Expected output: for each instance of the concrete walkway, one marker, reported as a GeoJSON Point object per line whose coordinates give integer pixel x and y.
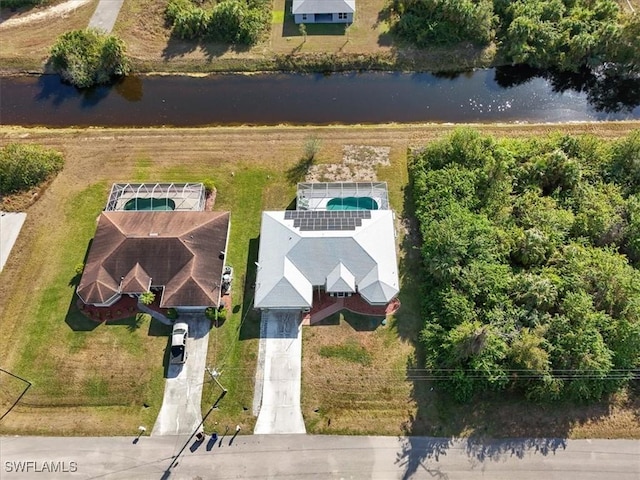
{"type": "Point", "coordinates": [10, 226]}
{"type": "Point", "coordinates": [181, 412]}
{"type": "Point", "coordinates": [281, 349]}
{"type": "Point", "coordinates": [106, 14]}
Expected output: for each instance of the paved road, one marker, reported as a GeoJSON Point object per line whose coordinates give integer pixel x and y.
{"type": "Point", "coordinates": [308, 456]}
{"type": "Point", "coordinates": [181, 412]}
{"type": "Point", "coordinates": [104, 18]}
{"type": "Point", "coordinates": [10, 226]}
{"type": "Point", "coordinates": [281, 349]}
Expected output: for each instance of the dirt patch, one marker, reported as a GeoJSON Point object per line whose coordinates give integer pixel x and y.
{"type": "Point", "coordinates": [359, 164]}
{"type": "Point", "coordinates": [62, 10]}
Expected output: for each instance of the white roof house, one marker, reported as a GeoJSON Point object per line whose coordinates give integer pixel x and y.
{"type": "Point", "coordinates": [322, 6]}
{"type": "Point", "coordinates": [339, 251]}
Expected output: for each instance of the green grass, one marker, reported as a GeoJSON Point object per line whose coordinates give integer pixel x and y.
{"type": "Point", "coordinates": [70, 359]}
{"type": "Point", "coordinates": [277, 16]}
{"type": "Point", "coordinates": [233, 346]}
{"type": "Point", "coordinates": [350, 351]}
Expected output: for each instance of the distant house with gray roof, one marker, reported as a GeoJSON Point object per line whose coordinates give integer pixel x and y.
{"type": "Point", "coordinates": [323, 11]}
{"type": "Point", "coordinates": [331, 244]}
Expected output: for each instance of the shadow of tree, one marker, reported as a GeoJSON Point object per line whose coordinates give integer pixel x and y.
{"type": "Point", "coordinates": [423, 453]}
{"type": "Point", "coordinates": [610, 90]}
{"type": "Point", "coordinates": [177, 47]}
{"type": "Point", "coordinates": [297, 173]}
{"type": "Point", "coordinates": [132, 323]}
{"type": "Point", "coordinates": [54, 89]}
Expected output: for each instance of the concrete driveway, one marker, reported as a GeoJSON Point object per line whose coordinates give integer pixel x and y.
{"type": "Point", "coordinates": [106, 14]}
{"type": "Point", "coordinates": [280, 362]}
{"type": "Point", "coordinates": [181, 412]}
{"type": "Point", "coordinates": [10, 226]}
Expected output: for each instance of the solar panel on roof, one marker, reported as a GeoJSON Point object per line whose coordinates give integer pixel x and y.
{"type": "Point", "coordinates": [319, 220]}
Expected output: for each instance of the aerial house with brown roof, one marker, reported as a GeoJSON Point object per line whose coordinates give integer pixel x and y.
{"type": "Point", "coordinates": [177, 254]}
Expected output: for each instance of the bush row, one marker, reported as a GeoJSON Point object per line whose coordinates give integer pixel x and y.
{"type": "Point", "coordinates": [230, 21]}
{"type": "Point", "coordinates": [26, 166]}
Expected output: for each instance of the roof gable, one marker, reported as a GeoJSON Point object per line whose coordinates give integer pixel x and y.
{"type": "Point", "coordinates": [176, 250]}
{"type": "Point", "coordinates": [136, 281]}
{"type": "Point", "coordinates": [340, 279]}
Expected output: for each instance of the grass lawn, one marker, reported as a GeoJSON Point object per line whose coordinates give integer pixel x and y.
{"type": "Point", "coordinates": [91, 379]}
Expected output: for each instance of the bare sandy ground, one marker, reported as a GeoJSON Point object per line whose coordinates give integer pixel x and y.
{"type": "Point", "coordinates": [60, 10]}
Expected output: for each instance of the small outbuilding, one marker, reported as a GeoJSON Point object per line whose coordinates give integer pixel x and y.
{"type": "Point", "coordinates": [323, 11]}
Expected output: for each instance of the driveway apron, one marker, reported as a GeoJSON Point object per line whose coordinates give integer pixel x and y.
{"type": "Point", "coordinates": [281, 345]}
{"type": "Point", "coordinates": [181, 412]}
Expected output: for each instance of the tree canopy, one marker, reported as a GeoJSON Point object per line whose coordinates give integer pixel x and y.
{"type": "Point", "coordinates": [530, 255]}
{"type": "Point", "coordinates": [89, 57]}
{"type": "Point", "coordinates": [229, 21]}
{"type": "Point", "coordinates": [562, 34]}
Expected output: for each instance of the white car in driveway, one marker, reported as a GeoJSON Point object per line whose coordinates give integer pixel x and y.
{"type": "Point", "coordinates": [179, 342]}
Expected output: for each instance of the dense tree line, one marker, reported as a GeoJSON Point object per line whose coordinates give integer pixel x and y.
{"type": "Point", "coordinates": [563, 34]}
{"type": "Point", "coordinates": [230, 21]}
{"type": "Point", "coordinates": [530, 254]}
{"type": "Point", "coordinates": [89, 57]}
{"type": "Point", "coordinates": [25, 166]}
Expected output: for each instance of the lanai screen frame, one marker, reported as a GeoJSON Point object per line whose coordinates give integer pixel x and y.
{"type": "Point", "coordinates": [187, 196]}
{"type": "Point", "coordinates": [326, 190]}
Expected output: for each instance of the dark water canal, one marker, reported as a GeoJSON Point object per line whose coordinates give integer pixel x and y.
{"type": "Point", "coordinates": [495, 95]}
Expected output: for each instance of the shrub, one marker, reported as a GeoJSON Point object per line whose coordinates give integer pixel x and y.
{"type": "Point", "coordinates": [230, 21]}
{"type": "Point", "coordinates": [209, 186]}
{"type": "Point", "coordinates": [426, 22]}
{"type": "Point", "coordinates": [89, 57]}
{"type": "Point", "coordinates": [210, 313]}
{"type": "Point", "coordinates": [147, 298]}
{"type": "Point", "coordinates": [26, 166]}
{"type": "Point", "coordinates": [79, 268]}
{"type": "Point", "coordinates": [172, 314]}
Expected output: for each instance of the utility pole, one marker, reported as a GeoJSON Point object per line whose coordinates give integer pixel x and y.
{"type": "Point", "coordinates": [213, 407]}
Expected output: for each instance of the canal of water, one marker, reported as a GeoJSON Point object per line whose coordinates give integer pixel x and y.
{"type": "Point", "coordinates": [493, 95]}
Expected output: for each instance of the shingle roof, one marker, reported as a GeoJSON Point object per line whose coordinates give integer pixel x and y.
{"type": "Point", "coordinates": [367, 253]}
{"type": "Point", "coordinates": [323, 6]}
{"type": "Point", "coordinates": [176, 250]}
{"type": "Point", "coordinates": [340, 279]}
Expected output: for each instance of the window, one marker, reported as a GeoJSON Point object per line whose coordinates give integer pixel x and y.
{"type": "Point", "coordinates": [304, 16]}
{"type": "Point", "coordinates": [342, 16]}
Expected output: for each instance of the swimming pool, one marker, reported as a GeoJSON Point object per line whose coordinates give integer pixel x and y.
{"type": "Point", "coordinates": [352, 203]}
{"type": "Point", "coordinates": [150, 204]}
